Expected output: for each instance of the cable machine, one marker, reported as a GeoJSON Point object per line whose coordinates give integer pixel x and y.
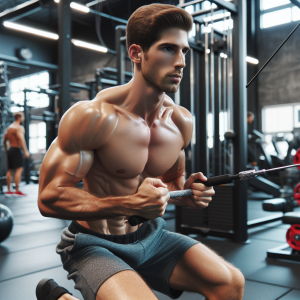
{"type": "Point", "coordinates": [213, 89]}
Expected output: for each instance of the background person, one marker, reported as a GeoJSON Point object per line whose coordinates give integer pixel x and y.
{"type": "Point", "coordinates": [14, 136]}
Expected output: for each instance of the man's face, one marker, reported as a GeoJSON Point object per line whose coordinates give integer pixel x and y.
{"type": "Point", "coordinates": [163, 63]}
{"type": "Point", "coordinates": [250, 119]}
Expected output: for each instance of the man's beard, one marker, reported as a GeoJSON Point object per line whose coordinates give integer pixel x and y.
{"type": "Point", "coordinates": [150, 75]}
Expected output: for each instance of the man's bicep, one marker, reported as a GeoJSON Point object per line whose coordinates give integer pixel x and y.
{"type": "Point", "coordinates": [60, 168]}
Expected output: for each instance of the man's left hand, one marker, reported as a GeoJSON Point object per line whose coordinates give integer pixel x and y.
{"type": "Point", "coordinates": [202, 194]}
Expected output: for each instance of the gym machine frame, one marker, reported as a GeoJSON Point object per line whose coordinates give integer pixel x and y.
{"type": "Point", "coordinates": [226, 216]}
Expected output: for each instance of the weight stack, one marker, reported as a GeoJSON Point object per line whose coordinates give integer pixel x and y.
{"type": "Point", "coordinates": [216, 220]}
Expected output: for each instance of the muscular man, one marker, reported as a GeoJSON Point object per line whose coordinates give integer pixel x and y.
{"type": "Point", "coordinates": [15, 136]}
{"type": "Point", "coordinates": [127, 146]}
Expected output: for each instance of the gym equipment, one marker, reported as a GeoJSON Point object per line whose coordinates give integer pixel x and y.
{"type": "Point", "coordinates": [297, 193]}
{"type": "Point", "coordinates": [6, 222]}
{"type": "Point", "coordinates": [214, 181]}
{"type": "Point", "coordinates": [292, 238]}
{"type": "Point", "coordinates": [297, 158]}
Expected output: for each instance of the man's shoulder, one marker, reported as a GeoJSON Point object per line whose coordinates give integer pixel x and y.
{"type": "Point", "coordinates": [180, 114]}
{"type": "Point", "coordinates": [92, 110]}
{"type": "Point", "coordinates": [182, 118]}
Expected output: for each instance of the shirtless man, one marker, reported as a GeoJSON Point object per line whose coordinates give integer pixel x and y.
{"type": "Point", "coordinates": [127, 145]}
{"type": "Point", "coordinates": [15, 136]}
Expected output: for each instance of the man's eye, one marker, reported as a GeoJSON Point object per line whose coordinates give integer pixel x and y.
{"type": "Point", "coordinates": [168, 49]}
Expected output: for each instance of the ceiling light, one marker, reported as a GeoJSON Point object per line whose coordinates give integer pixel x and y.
{"type": "Point", "coordinates": [252, 60]}
{"type": "Point", "coordinates": [207, 50]}
{"type": "Point", "coordinates": [79, 7]}
{"type": "Point", "coordinates": [223, 55]}
{"type": "Point", "coordinates": [89, 46]}
{"type": "Point", "coordinates": [46, 34]}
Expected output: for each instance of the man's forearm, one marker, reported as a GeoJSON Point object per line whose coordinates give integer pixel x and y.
{"type": "Point", "coordinates": [71, 203]}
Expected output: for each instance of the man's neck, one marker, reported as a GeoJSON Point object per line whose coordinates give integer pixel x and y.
{"type": "Point", "coordinates": [144, 99]}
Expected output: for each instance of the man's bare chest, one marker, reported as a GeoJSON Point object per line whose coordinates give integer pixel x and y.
{"type": "Point", "coordinates": [134, 148]}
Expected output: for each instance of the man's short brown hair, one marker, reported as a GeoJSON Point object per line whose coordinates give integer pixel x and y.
{"type": "Point", "coordinates": [18, 115]}
{"type": "Point", "coordinates": [147, 23]}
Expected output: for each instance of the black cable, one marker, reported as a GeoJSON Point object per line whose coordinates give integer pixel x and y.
{"type": "Point", "coordinates": [273, 55]}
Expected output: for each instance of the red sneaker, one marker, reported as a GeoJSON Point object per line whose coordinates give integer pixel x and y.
{"type": "Point", "coordinates": [19, 194]}
{"type": "Point", "coordinates": [9, 194]}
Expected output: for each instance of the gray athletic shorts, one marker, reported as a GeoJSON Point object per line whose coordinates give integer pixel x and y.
{"type": "Point", "coordinates": [91, 258]}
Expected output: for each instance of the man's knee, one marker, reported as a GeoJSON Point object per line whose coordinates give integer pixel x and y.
{"type": "Point", "coordinates": [233, 288]}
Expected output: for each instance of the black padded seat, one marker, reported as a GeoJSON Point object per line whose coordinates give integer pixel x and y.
{"type": "Point", "coordinates": [277, 204]}
{"type": "Point", "coordinates": [291, 218]}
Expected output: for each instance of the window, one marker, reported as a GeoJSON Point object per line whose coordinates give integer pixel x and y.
{"type": "Point", "coordinates": [267, 4]}
{"type": "Point", "coordinates": [278, 118]}
{"type": "Point", "coordinates": [190, 10]}
{"type": "Point", "coordinates": [277, 12]}
{"type": "Point", "coordinates": [34, 99]}
{"type": "Point", "coordinates": [37, 137]}
{"type": "Point", "coordinates": [276, 18]}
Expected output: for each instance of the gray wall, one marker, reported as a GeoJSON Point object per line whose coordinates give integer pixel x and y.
{"type": "Point", "coordinates": [279, 82]}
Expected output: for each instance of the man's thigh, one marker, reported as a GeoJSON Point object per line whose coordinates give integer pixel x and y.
{"type": "Point", "coordinates": [201, 270]}
{"type": "Point", "coordinates": [125, 285]}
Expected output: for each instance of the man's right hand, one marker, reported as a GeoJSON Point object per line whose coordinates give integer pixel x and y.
{"type": "Point", "coordinates": [26, 154]}
{"type": "Point", "coordinates": [151, 199]}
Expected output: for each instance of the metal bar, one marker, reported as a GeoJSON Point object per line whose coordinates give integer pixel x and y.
{"type": "Point", "coordinates": [107, 16]}
{"type": "Point", "coordinates": [26, 125]}
{"type": "Point", "coordinates": [217, 118]}
{"type": "Point", "coordinates": [80, 86]}
{"type": "Point", "coordinates": [203, 12]}
{"type": "Point", "coordinates": [64, 54]}
{"type": "Point", "coordinates": [43, 91]}
{"type": "Point", "coordinates": [240, 115]}
{"type": "Point", "coordinates": [15, 65]}
{"type": "Point", "coordinates": [24, 7]}
{"type": "Point", "coordinates": [265, 220]}
{"type": "Point", "coordinates": [212, 93]}
{"type": "Point", "coordinates": [207, 100]}
{"type": "Point", "coordinates": [120, 48]}
{"type": "Point", "coordinates": [94, 3]}
{"type": "Point", "coordinates": [26, 14]}
{"type": "Point", "coordinates": [231, 7]}
{"type": "Point", "coordinates": [190, 3]}
{"type": "Point", "coordinates": [192, 110]}
{"type": "Point", "coordinates": [34, 63]}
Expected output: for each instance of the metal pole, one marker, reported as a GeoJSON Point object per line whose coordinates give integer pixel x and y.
{"type": "Point", "coordinates": [192, 109]}
{"type": "Point", "coordinates": [217, 141]}
{"type": "Point", "coordinates": [26, 126]}
{"type": "Point", "coordinates": [120, 48]}
{"type": "Point", "coordinates": [207, 98]}
{"type": "Point", "coordinates": [212, 93]}
{"type": "Point", "coordinates": [64, 54]}
{"type": "Point", "coordinates": [240, 116]}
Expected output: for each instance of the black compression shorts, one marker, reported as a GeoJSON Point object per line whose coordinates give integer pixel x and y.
{"type": "Point", "coordinates": [14, 158]}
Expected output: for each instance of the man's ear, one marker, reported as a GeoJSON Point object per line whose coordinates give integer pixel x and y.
{"type": "Point", "coordinates": [135, 53]}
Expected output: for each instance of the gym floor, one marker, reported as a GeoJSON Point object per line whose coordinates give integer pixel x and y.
{"type": "Point", "coordinates": [28, 255]}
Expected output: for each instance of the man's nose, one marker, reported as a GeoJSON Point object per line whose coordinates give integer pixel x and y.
{"type": "Point", "coordinates": [180, 60]}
